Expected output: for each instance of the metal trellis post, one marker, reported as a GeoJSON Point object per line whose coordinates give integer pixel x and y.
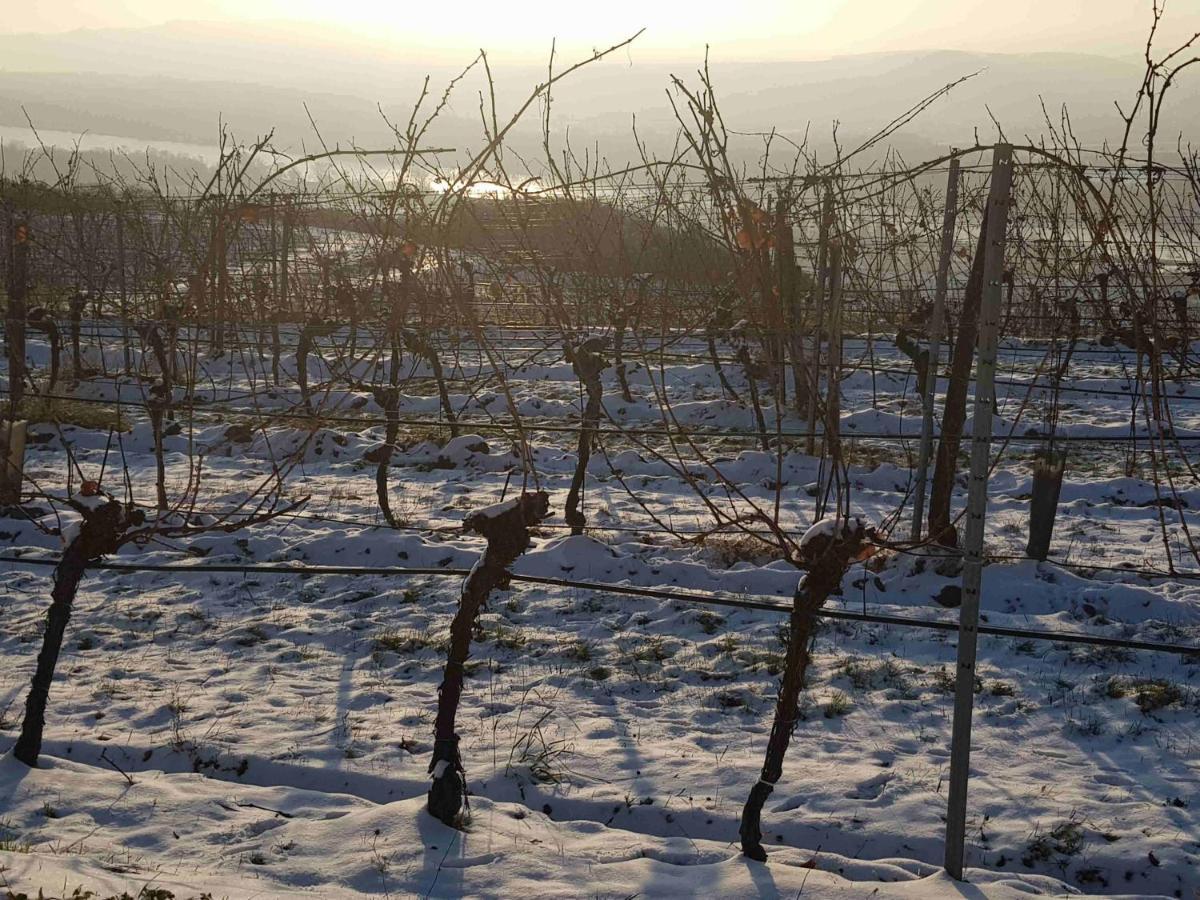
{"type": "Point", "coordinates": [968, 622]}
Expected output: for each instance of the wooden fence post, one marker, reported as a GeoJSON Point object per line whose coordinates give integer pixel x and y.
{"type": "Point", "coordinates": [285, 249]}
{"type": "Point", "coordinates": [968, 623]}
{"type": "Point", "coordinates": [784, 286]}
{"type": "Point", "coordinates": [789, 296]}
{"type": "Point", "coordinates": [929, 388]}
{"type": "Point", "coordinates": [814, 381]}
{"type": "Point", "coordinates": [12, 435]}
{"type": "Point", "coordinates": [121, 286]}
{"type": "Point", "coordinates": [221, 279]}
{"type": "Point", "coordinates": [833, 389]}
{"type": "Point", "coordinates": [831, 440]}
{"type": "Point", "coordinates": [18, 291]}
{"type": "Point", "coordinates": [12, 461]}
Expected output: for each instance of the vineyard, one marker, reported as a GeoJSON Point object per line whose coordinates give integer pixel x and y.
{"type": "Point", "coordinates": [397, 522]}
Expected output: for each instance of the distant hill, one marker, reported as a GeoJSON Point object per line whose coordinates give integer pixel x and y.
{"type": "Point", "coordinates": [175, 82]}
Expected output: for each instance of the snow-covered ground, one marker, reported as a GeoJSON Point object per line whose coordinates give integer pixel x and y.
{"type": "Point", "coordinates": [263, 735]}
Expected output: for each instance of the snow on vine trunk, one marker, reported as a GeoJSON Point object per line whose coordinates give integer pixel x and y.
{"type": "Point", "coordinates": [827, 550]}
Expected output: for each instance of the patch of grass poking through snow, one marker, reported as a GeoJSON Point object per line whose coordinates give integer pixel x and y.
{"type": "Point", "coordinates": [866, 675]}
{"type": "Point", "coordinates": [1088, 725]}
{"type": "Point", "coordinates": [944, 681]}
{"type": "Point", "coordinates": [1059, 844]}
{"type": "Point", "coordinates": [1155, 694]}
{"type": "Point", "coordinates": [709, 622]}
{"type": "Point", "coordinates": [542, 757]}
{"type": "Point", "coordinates": [653, 649]}
{"type": "Point", "coordinates": [872, 456]}
{"type": "Point", "coordinates": [579, 650]}
{"type": "Point", "coordinates": [1150, 694]}
{"type": "Point", "coordinates": [402, 641]}
{"type": "Point", "coordinates": [730, 700]}
{"type": "Point", "coordinates": [727, 644]}
{"type": "Point", "coordinates": [857, 671]}
{"type": "Point", "coordinates": [9, 842]}
{"type": "Point", "coordinates": [1099, 655]}
{"type": "Point", "coordinates": [505, 638]}
{"type": "Point", "coordinates": [838, 705]}
{"type": "Point", "coordinates": [1115, 688]}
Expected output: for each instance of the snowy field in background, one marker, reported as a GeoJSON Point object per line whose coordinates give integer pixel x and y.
{"type": "Point", "coordinates": [277, 729]}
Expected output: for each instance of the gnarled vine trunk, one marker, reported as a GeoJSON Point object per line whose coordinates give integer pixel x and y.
{"type": "Point", "coordinates": [751, 371]}
{"type": "Point", "coordinates": [158, 406]}
{"type": "Point", "coordinates": [506, 528]}
{"type": "Point", "coordinates": [388, 398]}
{"type": "Point", "coordinates": [425, 348]}
{"type": "Point", "coordinates": [78, 302]}
{"type": "Point", "coordinates": [619, 360]}
{"type": "Point", "coordinates": [829, 548]}
{"type": "Point", "coordinates": [715, 359]}
{"type": "Point", "coordinates": [99, 533]}
{"type": "Point", "coordinates": [587, 363]}
{"type": "Point", "coordinates": [304, 346]}
{"type": "Point", "coordinates": [40, 320]}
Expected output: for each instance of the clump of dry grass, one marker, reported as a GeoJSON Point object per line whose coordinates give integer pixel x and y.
{"type": "Point", "coordinates": [727, 550]}
{"type": "Point", "coordinates": [82, 414]}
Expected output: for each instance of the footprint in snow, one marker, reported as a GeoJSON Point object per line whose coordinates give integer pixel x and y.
{"type": "Point", "coordinates": [870, 789]}
{"type": "Point", "coordinates": [466, 862]}
{"type": "Point", "coordinates": [688, 856]}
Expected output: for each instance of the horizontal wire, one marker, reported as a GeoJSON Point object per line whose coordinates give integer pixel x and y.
{"type": "Point", "coordinates": [456, 525]}
{"type": "Point", "coordinates": [529, 423]}
{"type": "Point", "coordinates": [740, 602]}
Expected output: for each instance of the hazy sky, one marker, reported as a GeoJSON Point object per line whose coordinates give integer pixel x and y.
{"type": "Point", "coordinates": [767, 28]}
